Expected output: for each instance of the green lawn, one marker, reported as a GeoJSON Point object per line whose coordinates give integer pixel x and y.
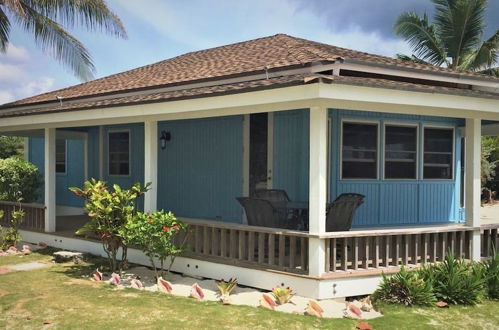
{"type": "Point", "coordinates": [63, 296]}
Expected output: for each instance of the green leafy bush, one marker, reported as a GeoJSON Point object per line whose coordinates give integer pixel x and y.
{"type": "Point", "coordinates": [108, 211]}
{"type": "Point", "coordinates": [156, 234]}
{"type": "Point", "coordinates": [405, 287]}
{"type": "Point", "coordinates": [19, 179]}
{"type": "Point", "coordinates": [456, 281]}
{"type": "Point", "coordinates": [491, 273]}
{"type": "Point", "coordinates": [10, 235]}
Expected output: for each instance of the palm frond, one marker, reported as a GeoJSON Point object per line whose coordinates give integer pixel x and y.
{"type": "Point", "coordinates": [460, 26]}
{"type": "Point", "coordinates": [483, 57]}
{"type": "Point", "coordinates": [92, 14]}
{"type": "Point", "coordinates": [13, 6]}
{"type": "Point", "coordinates": [491, 72]}
{"type": "Point", "coordinates": [422, 37]}
{"type": "Point", "coordinates": [412, 58]}
{"type": "Point", "coordinates": [4, 31]}
{"type": "Point", "coordinates": [51, 37]}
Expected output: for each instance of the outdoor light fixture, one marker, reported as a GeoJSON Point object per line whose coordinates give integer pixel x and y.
{"type": "Point", "coordinates": [165, 136]}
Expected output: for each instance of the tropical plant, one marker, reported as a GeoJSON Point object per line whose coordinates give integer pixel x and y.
{"type": "Point", "coordinates": [454, 39]}
{"type": "Point", "coordinates": [405, 287]}
{"type": "Point", "coordinates": [47, 21]}
{"type": "Point", "coordinates": [20, 180]}
{"type": "Point", "coordinates": [10, 146]}
{"type": "Point", "coordinates": [156, 234]}
{"type": "Point", "coordinates": [456, 281]}
{"type": "Point", "coordinates": [491, 273]}
{"type": "Point", "coordinates": [226, 287]}
{"type": "Point", "coordinates": [10, 235]}
{"type": "Point", "coordinates": [282, 294]}
{"type": "Point", "coordinates": [108, 211]}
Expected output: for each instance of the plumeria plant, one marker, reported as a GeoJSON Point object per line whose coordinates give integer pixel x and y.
{"type": "Point", "coordinates": [160, 235]}
{"type": "Point", "coordinates": [109, 210]}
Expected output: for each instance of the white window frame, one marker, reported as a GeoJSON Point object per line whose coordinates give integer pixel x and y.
{"type": "Point", "coordinates": [400, 124]}
{"type": "Point", "coordinates": [378, 147]}
{"type": "Point", "coordinates": [453, 174]}
{"type": "Point", "coordinates": [65, 157]}
{"type": "Point", "coordinates": [109, 132]}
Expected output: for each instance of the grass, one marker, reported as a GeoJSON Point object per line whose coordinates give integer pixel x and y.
{"type": "Point", "coordinates": [62, 296]}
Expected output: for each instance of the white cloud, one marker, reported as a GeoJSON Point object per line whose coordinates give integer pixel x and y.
{"type": "Point", "coordinates": [10, 72]}
{"type": "Point", "coordinates": [5, 97]}
{"type": "Point", "coordinates": [15, 54]}
{"type": "Point", "coordinates": [37, 86]}
{"type": "Point", "coordinates": [199, 24]}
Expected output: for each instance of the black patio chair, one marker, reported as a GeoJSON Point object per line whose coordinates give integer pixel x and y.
{"type": "Point", "coordinates": [340, 212]}
{"type": "Point", "coordinates": [260, 212]}
{"type": "Point", "coordinates": [273, 195]}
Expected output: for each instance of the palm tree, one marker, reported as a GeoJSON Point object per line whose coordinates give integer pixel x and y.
{"type": "Point", "coordinates": [454, 39]}
{"type": "Point", "coordinates": [44, 19]}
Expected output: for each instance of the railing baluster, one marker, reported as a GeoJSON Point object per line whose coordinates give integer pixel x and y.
{"type": "Point", "coordinates": [355, 260]}
{"type": "Point", "coordinates": [344, 255]}
{"type": "Point", "coordinates": [333, 254]}
{"type": "Point", "coordinates": [367, 251]}
{"type": "Point", "coordinates": [304, 253]}
{"type": "Point", "coordinates": [223, 243]}
{"type": "Point", "coordinates": [261, 248]}
{"type": "Point", "coordinates": [282, 249]}
{"type": "Point", "coordinates": [241, 245]}
{"type": "Point", "coordinates": [397, 251]}
{"type": "Point", "coordinates": [387, 246]}
{"type": "Point", "coordinates": [376, 252]}
{"type": "Point", "coordinates": [251, 245]}
{"type": "Point", "coordinates": [214, 241]}
{"type": "Point", "coordinates": [425, 238]}
{"type": "Point", "coordinates": [232, 244]}
{"type": "Point", "coordinates": [415, 252]}
{"type": "Point", "coordinates": [199, 239]}
{"type": "Point", "coordinates": [206, 241]}
{"type": "Point", "coordinates": [292, 251]}
{"type": "Point", "coordinates": [271, 244]}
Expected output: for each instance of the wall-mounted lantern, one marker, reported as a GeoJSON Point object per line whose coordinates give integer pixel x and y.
{"type": "Point", "coordinates": [165, 137]}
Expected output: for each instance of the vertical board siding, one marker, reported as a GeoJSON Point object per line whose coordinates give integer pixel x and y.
{"type": "Point", "coordinates": [291, 153]}
{"type": "Point", "coordinates": [200, 170]}
{"type": "Point", "coordinates": [400, 204]}
{"type": "Point", "coordinates": [397, 202]}
{"type": "Point", "coordinates": [74, 175]}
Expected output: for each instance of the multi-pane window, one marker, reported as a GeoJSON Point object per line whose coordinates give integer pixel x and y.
{"type": "Point", "coordinates": [438, 153]}
{"type": "Point", "coordinates": [401, 152]}
{"type": "Point", "coordinates": [359, 151]}
{"type": "Point", "coordinates": [119, 153]}
{"type": "Point", "coordinates": [60, 156]}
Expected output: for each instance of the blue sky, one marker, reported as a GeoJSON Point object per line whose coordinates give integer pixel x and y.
{"type": "Point", "coordinates": [160, 29]}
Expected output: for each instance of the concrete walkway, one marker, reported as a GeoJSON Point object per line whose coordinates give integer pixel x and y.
{"type": "Point", "coordinates": [489, 214]}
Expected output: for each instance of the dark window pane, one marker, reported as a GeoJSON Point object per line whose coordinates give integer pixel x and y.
{"type": "Point", "coordinates": [360, 151]}
{"type": "Point", "coordinates": [400, 152]}
{"type": "Point", "coordinates": [60, 156]}
{"type": "Point", "coordinates": [438, 153]}
{"type": "Point", "coordinates": [119, 153]}
{"type": "Point", "coordinates": [60, 168]}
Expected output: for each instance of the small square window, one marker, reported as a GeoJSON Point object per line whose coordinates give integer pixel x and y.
{"type": "Point", "coordinates": [119, 153]}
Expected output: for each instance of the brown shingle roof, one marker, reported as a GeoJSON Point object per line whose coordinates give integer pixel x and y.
{"type": "Point", "coordinates": [278, 51]}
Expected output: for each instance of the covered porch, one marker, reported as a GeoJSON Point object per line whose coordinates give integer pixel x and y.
{"type": "Point", "coordinates": [370, 247]}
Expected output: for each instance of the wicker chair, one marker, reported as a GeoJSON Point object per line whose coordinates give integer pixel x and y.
{"type": "Point", "coordinates": [260, 212]}
{"type": "Point", "coordinates": [340, 212]}
{"type": "Point", "coordinates": [273, 195]}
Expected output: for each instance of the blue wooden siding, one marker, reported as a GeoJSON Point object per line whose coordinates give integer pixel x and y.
{"type": "Point", "coordinates": [397, 202]}
{"type": "Point", "coordinates": [291, 153]}
{"type": "Point", "coordinates": [74, 176]}
{"type": "Point", "coordinates": [200, 170]}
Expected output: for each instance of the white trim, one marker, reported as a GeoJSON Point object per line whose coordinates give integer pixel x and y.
{"type": "Point", "coordinates": [50, 179]}
{"type": "Point", "coordinates": [151, 136]}
{"type": "Point", "coordinates": [124, 130]}
{"type": "Point", "coordinates": [383, 162]}
{"type": "Point", "coordinates": [270, 150]}
{"type": "Point", "coordinates": [378, 145]}
{"type": "Point", "coordinates": [447, 127]}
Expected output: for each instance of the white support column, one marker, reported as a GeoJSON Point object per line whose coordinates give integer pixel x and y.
{"type": "Point", "coordinates": [50, 204]}
{"type": "Point", "coordinates": [472, 181]}
{"type": "Point", "coordinates": [318, 189]}
{"type": "Point", "coordinates": [151, 164]}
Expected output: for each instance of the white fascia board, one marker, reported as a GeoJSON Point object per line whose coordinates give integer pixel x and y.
{"type": "Point", "coordinates": [276, 99]}
{"type": "Point", "coordinates": [338, 96]}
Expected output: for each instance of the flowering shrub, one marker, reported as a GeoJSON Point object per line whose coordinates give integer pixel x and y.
{"type": "Point", "coordinates": [108, 211]}
{"type": "Point", "coordinates": [158, 235]}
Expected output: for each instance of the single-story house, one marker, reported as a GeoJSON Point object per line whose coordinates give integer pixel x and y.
{"type": "Point", "coordinates": [279, 112]}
